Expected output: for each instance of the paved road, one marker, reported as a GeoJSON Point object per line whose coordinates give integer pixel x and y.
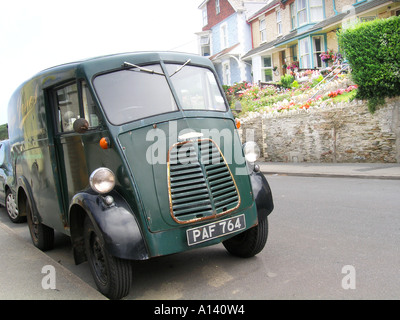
{"type": "Point", "coordinates": [319, 226]}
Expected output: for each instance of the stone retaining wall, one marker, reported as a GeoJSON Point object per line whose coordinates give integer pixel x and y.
{"type": "Point", "coordinates": [345, 133]}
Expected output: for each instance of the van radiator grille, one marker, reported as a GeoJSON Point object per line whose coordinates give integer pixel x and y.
{"type": "Point", "coordinates": [200, 183]}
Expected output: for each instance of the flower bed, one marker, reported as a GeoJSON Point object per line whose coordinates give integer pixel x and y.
{"type": "Point", "coordinates": [270, 99]}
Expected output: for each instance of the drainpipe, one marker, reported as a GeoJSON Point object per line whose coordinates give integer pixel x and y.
{"type": "Point", "coordinates": [334, 8]}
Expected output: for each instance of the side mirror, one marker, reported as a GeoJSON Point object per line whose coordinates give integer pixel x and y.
{"type": "Point", "coordinates": [81, 125]}
{"type": "Point", "coordinates": [238, 107]}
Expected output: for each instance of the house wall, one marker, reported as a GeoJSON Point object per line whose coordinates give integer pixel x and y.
{"type": "Point", "coordinates": [232, 28]}
{"type": "Point", "coordinates": [285, 14]}
{"type": "Point", "coordinates": [213, 17]}
{"type": "Point", "coordinates": [329, 10]}
{"type": "Point", "coordinates": [332, 41]}
{"type": "Point", "coordinates": [342, 4]}
{"type": "Point", "coordinates": [255, 27]}
{"type": "Point", "coordinates": [270, 20]}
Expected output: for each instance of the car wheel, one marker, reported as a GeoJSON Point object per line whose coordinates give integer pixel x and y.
{"type": "Point", "coordinates": [250, 242]}
{"type": "Point", "coordinates": [12, 210]}
{"type": "Point", "coordinates": [42, 235]}
{"type": "Point", "coordinates": [113, 276]}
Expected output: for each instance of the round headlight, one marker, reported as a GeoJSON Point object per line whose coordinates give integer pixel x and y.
{"type": "Point", "coordinates": [102, 180]}
{"type": "Point", "coordinates": [251, 151]}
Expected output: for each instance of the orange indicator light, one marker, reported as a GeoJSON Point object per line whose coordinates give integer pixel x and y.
{"type": "Point", "coordinates": [105, 143]}
{"type": "Point", "coordinates": [237, 122]}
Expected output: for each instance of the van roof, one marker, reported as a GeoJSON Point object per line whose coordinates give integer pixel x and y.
{"type": "Point", "coordinates": [143, 57]}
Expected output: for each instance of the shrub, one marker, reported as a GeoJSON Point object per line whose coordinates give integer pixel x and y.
{"type": "Point", "coordinates": [373, 51]}
{"type": "Point", "coordinates": [286, 80]}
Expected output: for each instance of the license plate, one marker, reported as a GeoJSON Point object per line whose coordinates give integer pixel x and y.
{"type": "Point", "coordinates": [215, 230]}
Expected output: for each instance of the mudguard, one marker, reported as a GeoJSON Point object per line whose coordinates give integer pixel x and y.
{"type": "Point", "coordinates": [24, 185]}
{"type": "Point", "coordinates": [262, 194]}
{"type": "Point", "coordinates": [115, 223]}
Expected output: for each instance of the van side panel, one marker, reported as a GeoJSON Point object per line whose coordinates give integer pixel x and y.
{"type": "Point", "coordinates": [32, 152]}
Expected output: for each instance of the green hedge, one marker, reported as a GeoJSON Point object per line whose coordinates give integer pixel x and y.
{"type": "Point", "coordinates": [3, 132]}
{"type": "Point", "coordinates": [373, 51]}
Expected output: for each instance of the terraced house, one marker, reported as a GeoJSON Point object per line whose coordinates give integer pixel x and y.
{"type": "Point", "coordinates": [284, 31]}
{"type": "Point", "coordinates": [226, 37]}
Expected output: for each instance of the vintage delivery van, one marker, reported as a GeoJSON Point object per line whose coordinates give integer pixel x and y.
{"type": "Point", "coordinates": [134, 156]}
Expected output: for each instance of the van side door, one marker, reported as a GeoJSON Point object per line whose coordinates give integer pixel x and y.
{"type": "Point", "coordinates": [70, 102]}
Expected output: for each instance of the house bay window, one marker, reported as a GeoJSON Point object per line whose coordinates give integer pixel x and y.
{"type": "Point", "coordinates": [305, 57]}
{"type": "Point", "coordinates": [316, 10]}
{"type": "Point", "coordinates": [266, 68]}
{"type": "Point", "coordinates": [205, 45]}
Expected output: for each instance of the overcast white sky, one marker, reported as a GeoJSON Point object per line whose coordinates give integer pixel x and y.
{"type": "Point", "coordinates": [37, 34]}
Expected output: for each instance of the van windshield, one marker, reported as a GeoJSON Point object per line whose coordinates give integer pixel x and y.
{"type": "Point", "coordinates": [197, 88]}
{"type": "Point", "coordinates": [133, 94]}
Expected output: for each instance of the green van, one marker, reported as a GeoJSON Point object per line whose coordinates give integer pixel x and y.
{"type": "Point", "coordinates": [134, 156]}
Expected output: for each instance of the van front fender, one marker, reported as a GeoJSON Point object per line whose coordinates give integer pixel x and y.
{"type": "Point", "coordinates": [262, 194]}
{"type": "Point", "coordinates": [115, 223]}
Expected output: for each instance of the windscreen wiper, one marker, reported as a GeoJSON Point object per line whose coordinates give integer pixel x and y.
{"type": "Point", "coordinates": [127, 64]}
{"type": "Point", "coordinates": [181, 67]}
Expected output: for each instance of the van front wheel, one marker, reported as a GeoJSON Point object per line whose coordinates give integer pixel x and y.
{"type": "Point", "coordinates": [250, 242]}
{"type": "Point", "coordinates": [113, 276]}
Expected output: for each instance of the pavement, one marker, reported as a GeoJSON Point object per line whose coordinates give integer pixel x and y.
{"type": "Point", "coordinates": [389, 171]}
{"type": "Point", "coordinates": [24, 271]}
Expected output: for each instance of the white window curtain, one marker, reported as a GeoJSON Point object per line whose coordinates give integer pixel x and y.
{"type": "Point", "coordinates": [316, 10]}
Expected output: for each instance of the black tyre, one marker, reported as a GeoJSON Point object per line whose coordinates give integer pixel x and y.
{"type": "Point", "coordinates": [12, 209]}
{"type": "Point", "coordinates": [42, 236]}
{"type": "Point", "coordinates": [250, 242]}
{"type": "Point", "coordinates": [113, 276]}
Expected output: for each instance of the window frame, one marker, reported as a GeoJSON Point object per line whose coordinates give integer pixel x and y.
{"type": "Point", "coordinates": [307, 54]}
{"type": "Point", "coordinates": [321, 6]}
{"type": "Point", "coordinates": [317, 53]}
{"type": "Point", "coordinates": [217, 7]}
{"type": "Point", "coordinates": [263, 30]}
{"type": "Point", "coordinates": [302, 10]}
{"type": "Point", "coordinates": [55, 105]}
{"type": "Point", "coordinates": [224, 36]}
{"type": "Point", "coordinates": [205, 16]}
{"type": "Point", "coordinates": [205, 44]}
{"type": "Point", "coordinates": [293, 15]}
{"type": "Point", "coordinates": [265, 68]}
{"type": "Point", "coordinates": [279, 22]}
{"type": "Point", "coordinates": [226, 76]}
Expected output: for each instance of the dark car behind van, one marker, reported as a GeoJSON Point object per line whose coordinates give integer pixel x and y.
{"type": "Point", "coordinates": [7, 195]}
